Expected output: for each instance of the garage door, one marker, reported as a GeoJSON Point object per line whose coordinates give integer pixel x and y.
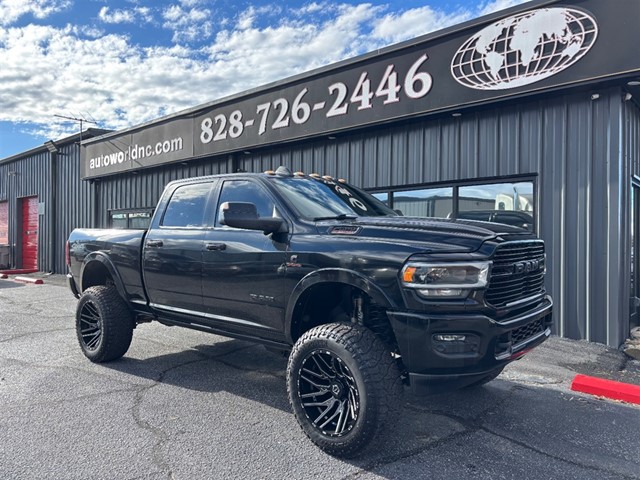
{"type": "Point", "coordinates": [30, 233]}
{"type": "Point", "coordinates": [4, 223]}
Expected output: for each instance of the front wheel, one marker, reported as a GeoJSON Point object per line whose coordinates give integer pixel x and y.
{"type": "Point", "coordinates": [104, 324]}
{"type": "Point", "coordinates": [343, 386]}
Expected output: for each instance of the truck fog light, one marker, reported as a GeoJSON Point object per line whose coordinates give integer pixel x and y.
{"type": "Point", "coordinates": [456, 343]}
{"type": "Point", "coordinates": [444, 293]}
{"type": "Point", "coordinates": [449, 338]}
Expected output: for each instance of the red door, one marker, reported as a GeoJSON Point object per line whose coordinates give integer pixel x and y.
{"type": "Point", "coordinates": [4, 223]}
{"type": "Point", "coordinates": [30, 233]}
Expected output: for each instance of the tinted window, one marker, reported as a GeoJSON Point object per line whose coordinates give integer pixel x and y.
{"type": "Point", "coordinates": [326, 198]}
{"type": "Point", "coordinates": [187, 205]}
{"type": "Point", "coordinates": [509, 203]}
{"type": "Point", "coordinates": [430, 202]}
{"type": "Point", "coordinates": [139, 219]}
{"type": "Point", "coordinates": [246, 191]}
{"type": "Point", "coordinates": [118, 220]}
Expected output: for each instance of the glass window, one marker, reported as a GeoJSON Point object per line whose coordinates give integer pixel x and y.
{"type": "Point", "coordinates": [246, 191]}
{"type": "Point", "coordinates": [326, 198]}
{"type": "Point", "coordinates": [383, 197]}
{"type": "Point", "coordinates": [187, 205]}
{"type": "Point", "coordinates": [430, 202]}
{"type": "Point", "coordinates": [136, 220]}
{"type": "Point", "coordinates": [119, 220]}
{"type": "Point", "coordinates": [508, 203]}
{"type": "Point", "coordinates": [139, 220]}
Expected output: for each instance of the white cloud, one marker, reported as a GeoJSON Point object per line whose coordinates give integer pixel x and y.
{"type": "Point", "coordinates": [107, 15]}
{"type": "Point", "coordinates": [188, 24]}
{"type": "Point", "coordinates": [47, 70]}
{"type": "Point", "coordinates": [12, 10]}
{"type": "Point", "coordinates": [395, 27]}
{"type": "Point", "coordinates": [495, 5]}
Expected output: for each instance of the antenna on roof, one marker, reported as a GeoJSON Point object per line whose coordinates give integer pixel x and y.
{"type": "Point", "coordinates": [81, 120]}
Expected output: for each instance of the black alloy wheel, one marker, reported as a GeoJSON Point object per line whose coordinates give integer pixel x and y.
{"type": "Point", "coordinates": [90, 326]}
{"type": "Point", "coordinates": [104, 324]}
{"type": "Point", "coordinates": [344, 387]}
{"type": "Point", "coordinates": [328, 393]}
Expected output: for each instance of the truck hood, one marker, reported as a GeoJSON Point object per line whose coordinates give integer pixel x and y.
{"type": "Point", "coordinates": [427, 234]}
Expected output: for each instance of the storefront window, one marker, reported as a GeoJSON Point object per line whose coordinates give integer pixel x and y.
{"type": "Point", "coordinates": [430, 202]}
{"type": "Point", "coordinates": [131, 219]}
{"type": "Point", "coordinates": [508, 203]}
{"type": "Point", "coordinates": [511, 203]}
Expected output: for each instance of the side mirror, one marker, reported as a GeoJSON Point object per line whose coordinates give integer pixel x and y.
{"type": "Point", "coordinates": [245, 215]}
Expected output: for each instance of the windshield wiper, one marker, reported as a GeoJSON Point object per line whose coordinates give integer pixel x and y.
{"type": "Point", "coordinates": [341, 216]}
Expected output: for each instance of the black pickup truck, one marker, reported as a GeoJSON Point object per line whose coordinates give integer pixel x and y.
{"type": "Point", "coordinates": [363, 298]}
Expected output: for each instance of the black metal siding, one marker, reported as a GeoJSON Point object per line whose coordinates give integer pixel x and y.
{"type": "Point", "coordinates": [582, 151]}
{"type": "Point", "coordinates": [28, 177]}
{"type": "Point", "coordinates": [143, 189]}
{"type": "Point", "coordinates": [571, 143]}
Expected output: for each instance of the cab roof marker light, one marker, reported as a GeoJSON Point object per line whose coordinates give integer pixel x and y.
{"type": "Point", "coordinates": [315, 175]}
{"type": "Point", "coordinates": [269, 172]}
{"type": "Point", "coordinates": [327, 177]}
{"type": "Point", "coordinates": [342, 180]}
{"type": "Point", "coordinates": [299, 174]}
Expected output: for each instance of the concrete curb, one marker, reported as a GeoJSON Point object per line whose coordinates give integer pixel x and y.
{"type": "Point", "coordinates": [35, 281]}
{"type": "Point", "coordinates": [606, 388]}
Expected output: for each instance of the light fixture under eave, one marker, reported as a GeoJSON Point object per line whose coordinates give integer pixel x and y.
{"type": "Point", "coordinates": [247, 152]}
{"type": "Point", "coordinates": [456, 114]}
{"type": "Point", "coordinates": [634, 83]}
{"type": "Point", "coordinates": [331, 137]}
{"type": "Point", "coordinates": [595, 96]}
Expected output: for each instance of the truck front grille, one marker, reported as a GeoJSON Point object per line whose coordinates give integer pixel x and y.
{"type": "Point", "coordinates": [517, 272]}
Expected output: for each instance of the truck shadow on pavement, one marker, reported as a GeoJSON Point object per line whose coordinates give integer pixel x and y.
{"type": "Point", "coordinates": [543, 426]}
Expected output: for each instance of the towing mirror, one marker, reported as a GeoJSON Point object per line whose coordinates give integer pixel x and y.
{"type": "Point", "coordinates": [245, 215]}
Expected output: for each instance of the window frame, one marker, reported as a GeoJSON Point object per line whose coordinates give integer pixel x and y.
{"type": "Point", "coordinates": [128, 212]}
{"type": "Point", "coordinates": [457, 184]}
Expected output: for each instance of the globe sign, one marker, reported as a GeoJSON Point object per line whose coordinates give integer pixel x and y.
{"type": "Point", "coordinates": [524, 48]}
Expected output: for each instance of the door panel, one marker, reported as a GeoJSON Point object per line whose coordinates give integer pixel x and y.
{"type": "Point", "coordinates": [172, 265]}
{"type": "Point", "coordinates": [245, 279]}
{"type": "Point", "coordinates": [30, 233]}
{"type": "Point", "coordinates": [172, 251]}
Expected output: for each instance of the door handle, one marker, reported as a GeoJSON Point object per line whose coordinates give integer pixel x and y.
{"type": "Point", "coordinates": [154, 243]}
{"type": "Point", "coordinates": [216, 246]}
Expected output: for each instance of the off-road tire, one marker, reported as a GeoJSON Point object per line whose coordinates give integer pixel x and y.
{"type": "Point", "coordinates": [104, 324]}
{"type": "Point", "coordinates": [486, 379]}
{"type": "Point", "coordinates": [363, 367]}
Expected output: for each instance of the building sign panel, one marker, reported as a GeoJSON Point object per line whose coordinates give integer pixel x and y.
{"type": "Point", "coordinates": [534, 50]}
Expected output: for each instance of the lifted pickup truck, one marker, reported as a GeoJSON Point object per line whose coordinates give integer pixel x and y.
{"type": "Point", "coordinates": [363, 298]}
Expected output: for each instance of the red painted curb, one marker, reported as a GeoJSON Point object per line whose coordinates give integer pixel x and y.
{"type": "Point", "coordinates": [18, 271]}
{"type": "Point", "coordinates": [36, 281]}
{"type": "Point", "coordinates": [606, 388]}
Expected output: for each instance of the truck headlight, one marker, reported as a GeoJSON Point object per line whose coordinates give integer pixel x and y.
{"type": "Point", "coordinates": [445, 280]}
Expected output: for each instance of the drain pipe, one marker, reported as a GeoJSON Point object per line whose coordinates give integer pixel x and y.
{"type": "Point", "coordinates": [53, 157]}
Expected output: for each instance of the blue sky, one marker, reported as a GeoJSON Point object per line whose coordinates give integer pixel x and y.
{"type": "Point", "coordinates": [121, 63]}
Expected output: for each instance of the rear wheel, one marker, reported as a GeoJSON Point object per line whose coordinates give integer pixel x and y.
{"type": "Point", "coordinates": [104, 324]}
{"type": "Point", "coordinates": [343, 387]}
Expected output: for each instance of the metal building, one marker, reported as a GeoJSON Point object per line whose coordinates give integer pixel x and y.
{"type": "Point", "coordinates": [530, 117]}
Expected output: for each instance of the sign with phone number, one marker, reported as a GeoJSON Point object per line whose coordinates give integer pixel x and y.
{"type": "Point", "coordinates": [347, 99]}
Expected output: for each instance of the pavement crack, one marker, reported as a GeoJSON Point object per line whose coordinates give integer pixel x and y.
{"type": "Point", "coordinates": [163, 437]}
{"type": "Point", "coordinates": [40, 332]}
{"type": "Point", "coordinates": [556, 457]}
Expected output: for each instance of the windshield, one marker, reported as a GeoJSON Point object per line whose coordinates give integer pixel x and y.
{"type": "Point", "coordinates": [317, 199]}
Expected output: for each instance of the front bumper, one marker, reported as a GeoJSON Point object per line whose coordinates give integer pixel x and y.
{"type": "Point", "coordinates": [443, 352]}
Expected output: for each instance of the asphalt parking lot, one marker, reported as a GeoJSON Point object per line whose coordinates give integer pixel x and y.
{"type": "Point", "coordinates": [187, 405]}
